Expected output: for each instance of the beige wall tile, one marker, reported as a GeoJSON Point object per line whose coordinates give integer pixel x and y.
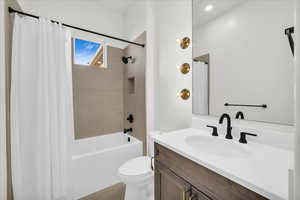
{"type": "Point", "coordinates": [98, 97]}
{"type": "Point", "coordinates": [136, 103]}
{"type": "Point", "coordinates": [102, 100]}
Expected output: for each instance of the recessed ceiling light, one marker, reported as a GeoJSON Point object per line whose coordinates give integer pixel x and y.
{"type": "Point", "coordinates": [209, 8]}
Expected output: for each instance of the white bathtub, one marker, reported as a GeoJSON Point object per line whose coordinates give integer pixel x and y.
{"type": "Point", "coordinates": [95, 161]}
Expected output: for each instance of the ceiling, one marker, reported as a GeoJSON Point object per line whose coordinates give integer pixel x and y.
{"type": "Point", "coordinates": [120, 6]}
{"type": "Point", "coordinates": [200, 16]}
{"type": "Point", "coordinates": [114, 5]}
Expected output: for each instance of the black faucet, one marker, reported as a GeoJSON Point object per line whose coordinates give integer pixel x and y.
{"type": "Point", "coordinates": [239, 114]}
{"type": "Point", "coordinates": [127, 130]}
{"type": "Point", "coordinates": [229, 128]}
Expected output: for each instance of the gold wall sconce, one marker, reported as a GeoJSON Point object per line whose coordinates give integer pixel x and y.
{"type": "Point", "coordinates": [184, 43]}
{"type": "Point", "coordinates": [185, 94]}
{"type": "Point", "coordinates": [185, 68]}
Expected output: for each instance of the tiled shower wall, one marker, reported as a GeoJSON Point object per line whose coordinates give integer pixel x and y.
{"type": "Point", "coordinates": [134, 90]}
{"type": "Point", "coordinates": [98, 97]}
{"type": "Point", "coordinates": [104, 98]}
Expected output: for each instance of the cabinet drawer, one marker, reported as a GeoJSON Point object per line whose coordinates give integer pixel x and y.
{"type": "Point", "coordinates": [210, 183]}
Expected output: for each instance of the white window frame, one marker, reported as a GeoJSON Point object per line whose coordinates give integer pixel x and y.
{"type": "Point", "coordinates": [102, 42]}
{"type": "Point", "coordinates": [3, 172]}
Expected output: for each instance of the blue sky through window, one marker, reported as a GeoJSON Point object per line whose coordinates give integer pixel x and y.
{"type": "Point", "coordinates": [84, 51]}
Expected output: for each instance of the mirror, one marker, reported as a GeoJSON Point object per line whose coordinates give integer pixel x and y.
{"type": "Point", "coordinates": [243, 59]}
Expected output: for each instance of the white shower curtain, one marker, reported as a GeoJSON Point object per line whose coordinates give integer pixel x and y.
{"type": "Point", "coordinates": [200, 88]}
{"type": "Point", "coordinates": [41, 110]}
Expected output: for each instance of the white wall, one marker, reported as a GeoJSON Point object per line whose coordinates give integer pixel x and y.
{"type": "Point", "coordinates": [250, 60]}
{"type": "Point", "coordinates": [140, 17]}
{"type": "Point", "coordinates": [164, 21]}
{"type": "Point", "coordinates": [85, 14]}
{"type": "Point", "coordinates": [174, 20]}
{"type": "Point", "coordinates": [135, 20]}
{"type": "Point", "coordinates": [152, 75]}
{"type": "Point", "coordinates": [2, 107]}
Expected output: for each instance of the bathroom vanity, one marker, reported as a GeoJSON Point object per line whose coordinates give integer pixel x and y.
{"type": "Point", "coordinates": [188, 169]}
{"type": "Point", "coordinates": [177, 177]}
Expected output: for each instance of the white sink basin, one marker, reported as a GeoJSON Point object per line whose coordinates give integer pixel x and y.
{"type": "Point", "coordinates": [217, 146]}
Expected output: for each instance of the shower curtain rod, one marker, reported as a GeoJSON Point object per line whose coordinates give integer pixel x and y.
{"type": "Point", "coordinates": [11, 10]}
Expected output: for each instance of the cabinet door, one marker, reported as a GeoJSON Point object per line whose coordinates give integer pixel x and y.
{"type": "Point", "coordinates": [169, 186]}
{"type": "Point", "coordinates": [197, 195]}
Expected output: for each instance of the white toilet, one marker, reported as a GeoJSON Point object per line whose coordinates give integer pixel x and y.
{"type": "Point", "coordinates": [138, 175]}
{"type": "Point", "coordinates": [139, 178]}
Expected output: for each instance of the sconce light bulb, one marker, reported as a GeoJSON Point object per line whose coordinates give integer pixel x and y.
{"type": "Point", "coordinates": [178, 40]}
{"type": "Point", "coordinates": [178, 66]}
{"type": "Point", "coordinates": [185, 94]}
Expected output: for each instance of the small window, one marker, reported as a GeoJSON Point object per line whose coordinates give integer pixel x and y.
{"type": "Point", "coordinates": [88, 53]}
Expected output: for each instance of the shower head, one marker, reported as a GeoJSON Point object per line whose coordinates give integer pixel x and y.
{"type": "Point", "coordinates": [125, 59]}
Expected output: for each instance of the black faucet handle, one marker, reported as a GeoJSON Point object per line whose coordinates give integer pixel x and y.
{"type": "Point", "coordinates": [130, 118]}
{"type": "Point", "coordinates": [243, 139]}
{"type": "Point", "coordinates": [127, 130]}
{"type": "Point", "coordinates": [215, 130]}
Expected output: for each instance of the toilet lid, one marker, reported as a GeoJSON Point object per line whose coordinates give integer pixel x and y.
{"type": "Point", "coordinates": [136, 166]}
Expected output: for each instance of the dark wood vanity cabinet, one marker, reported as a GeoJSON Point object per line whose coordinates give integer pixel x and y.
{"type": "Point", "coordinates": [169, 186]}
{"type": "Point", "coordinates": [178, 178]}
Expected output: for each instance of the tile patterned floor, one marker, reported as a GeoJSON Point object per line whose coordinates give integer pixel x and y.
{"type": "Point", "coordinates": [115, 192]}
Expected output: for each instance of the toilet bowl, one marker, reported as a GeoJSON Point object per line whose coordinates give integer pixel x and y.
{"type": "Point", "coordinates": [138, 178]}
